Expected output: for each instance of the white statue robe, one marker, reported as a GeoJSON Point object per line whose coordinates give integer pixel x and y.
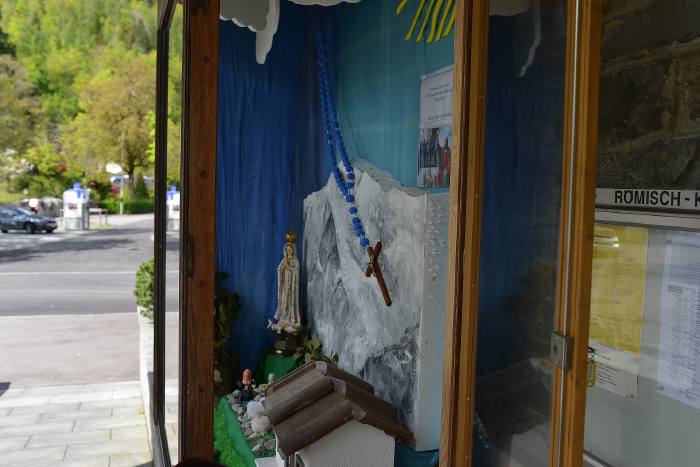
{"type": "Point", "coordinates": [287, 313]}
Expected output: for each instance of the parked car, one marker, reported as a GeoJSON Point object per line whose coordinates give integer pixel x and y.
{"type": "Point", "coordinates": [14, 218]}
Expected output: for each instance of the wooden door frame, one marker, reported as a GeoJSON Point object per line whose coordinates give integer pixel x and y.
{"type": "Point", "coordinates": [461, 311]}
{"type": "Point", "coordinates": [582, 126]}
{"type": "Point", "coordinates": [197, 228]}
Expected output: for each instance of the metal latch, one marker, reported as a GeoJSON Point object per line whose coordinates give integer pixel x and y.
{"type": "Point", "coordinates": [560, 350]}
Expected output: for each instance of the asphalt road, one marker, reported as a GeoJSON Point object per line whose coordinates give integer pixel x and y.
{"type": "Point", "coordinates": [67, 310]}
{"type": "Point", "coordinates": [90, 272]}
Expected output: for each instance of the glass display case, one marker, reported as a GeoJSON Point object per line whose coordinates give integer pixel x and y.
{"type": "Point", "coordinates": [404, 190]}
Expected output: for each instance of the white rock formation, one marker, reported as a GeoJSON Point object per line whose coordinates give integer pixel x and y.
{"type": "Point", "coordinates": [398, 349]}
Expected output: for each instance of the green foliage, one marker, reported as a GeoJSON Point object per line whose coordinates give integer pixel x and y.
{"type": "Point", "coordinates": [40, 185]}
{"type": "Point", "coordinates": [173, 155]}
{"type": "Point", "coordinates": [45, 159]}
{"type": "Point", "coordinates": [112, 125]}
{"type": "Point", "coordinates": [141, 190]}
{"type": "Point", "coordinates": [100, 188]}
{"type": "Point", "coordinates": [9, 198]}
{"type": "Point", "coordinates": [311, 350]}
{"type": "Point", "coordinates": [19, 106]}
{"type": "Point", "coordinates": [83, 79]}
{"type": "Point", "coordinates": [226, 308]}
{"type": "Point", "coordinates": [6, 47]}
{"type": "Point", "coordinates": [131, 206]}
{"type": "Point", "coordinates": [59, 41]}
{"type": "Point", "coordinates": [143, 290]}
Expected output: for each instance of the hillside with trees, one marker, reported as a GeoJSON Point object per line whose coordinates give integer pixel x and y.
{"type": "Point", "coordinates": [77, 92]}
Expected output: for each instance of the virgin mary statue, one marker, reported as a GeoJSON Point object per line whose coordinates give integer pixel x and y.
{"type": "Point", "coordinates": [287, 313]}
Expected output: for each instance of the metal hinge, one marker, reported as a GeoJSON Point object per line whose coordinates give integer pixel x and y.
{"type": "Point", "coordinates": [561, 350]}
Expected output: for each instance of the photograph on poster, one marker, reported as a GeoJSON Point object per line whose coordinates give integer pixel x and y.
{"type": "Point", "coordinates": [434, 157]}
{"type": "Point", "coordinates": [434, 151]}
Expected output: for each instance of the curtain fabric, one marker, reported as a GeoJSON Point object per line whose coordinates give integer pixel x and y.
{"type": "Point", "coordinates": [269, 159]}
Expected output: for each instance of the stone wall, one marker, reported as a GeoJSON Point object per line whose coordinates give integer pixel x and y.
{"type": "Point", "coordinates": [649, 128]}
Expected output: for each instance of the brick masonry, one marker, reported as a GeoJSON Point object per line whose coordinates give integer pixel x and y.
{"type": "Point", "coordinates": [649, 129]}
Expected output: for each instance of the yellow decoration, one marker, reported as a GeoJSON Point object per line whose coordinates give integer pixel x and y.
{"type": "Point", "coordinates": [401, 5]}
{"type": "Point", "coordinates": [415, 20]}
{"type": "Point", "coordinates": [437, 13]}
{"type": "Point", "coordinates": [445, 12]}
{"type": "Point", "coordinates": [451, 21]}
{"type": "Point", "coordinates": [433, 25]}
{"type": "Point", "coordinates": [425, 21]}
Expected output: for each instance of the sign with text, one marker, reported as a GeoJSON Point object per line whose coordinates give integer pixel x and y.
{"type": "Point", "coordinates": [434, 150]}
{"type": "Point", "coordinates": [676, 200]}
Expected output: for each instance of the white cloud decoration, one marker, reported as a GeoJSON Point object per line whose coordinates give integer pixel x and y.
{"type": "Point", "coordinates": [262, 17]}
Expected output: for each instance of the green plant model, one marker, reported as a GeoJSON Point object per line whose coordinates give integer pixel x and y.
{"type": "Point", "coordinates": [226, 308]}
{"type": "Point", "coordinates": [143, 291]}
{"type": "Point", "coordinates": [311, 350]}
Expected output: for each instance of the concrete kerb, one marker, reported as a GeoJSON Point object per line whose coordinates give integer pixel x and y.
{"type": "Point", "coordinates": [146, 346]}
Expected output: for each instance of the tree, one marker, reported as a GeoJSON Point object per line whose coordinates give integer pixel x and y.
{"type": "Point", "coordinates": [60, 42]}
{"type": "Point", "coordinates": [19, 107]}
{"type": "Point", "coordinates": [6, 47]}
{"type": "Point", "coordinates": [173, 149]}
{"type": "Point", "coordinates": [113, 123]}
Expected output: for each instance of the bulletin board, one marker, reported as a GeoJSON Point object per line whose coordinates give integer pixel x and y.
{"type": "Point", "coordinates": [658, 426]}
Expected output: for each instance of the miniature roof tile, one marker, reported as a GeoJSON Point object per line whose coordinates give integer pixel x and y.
{"type": "Point", "coordinates": [317, 398]}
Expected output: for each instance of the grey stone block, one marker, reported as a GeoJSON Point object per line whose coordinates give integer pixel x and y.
{"type": "Point", "coordinates": [637, 26]}
{"type": "Point", "coordinates": [66, 439]}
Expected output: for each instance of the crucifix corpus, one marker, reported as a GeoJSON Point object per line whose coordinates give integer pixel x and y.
{"type": "Point", "coordinates": [373, 269]}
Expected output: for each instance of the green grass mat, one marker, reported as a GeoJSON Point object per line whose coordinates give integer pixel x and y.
{"type": "Point", "coordinates": [224, 444]}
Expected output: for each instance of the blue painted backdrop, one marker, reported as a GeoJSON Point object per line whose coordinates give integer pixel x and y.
{"type": "Point", "coordinates": [379, 83]}
{"type": "Point", "coordinates": [268, 161]}
{"type": "Point", "coordinates": [269, 146]}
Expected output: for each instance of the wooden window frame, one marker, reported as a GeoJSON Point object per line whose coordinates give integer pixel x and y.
{"type": "Point", "coordinates": [461, 311]}
{"type": "Point", "coordinates": [197, 229]}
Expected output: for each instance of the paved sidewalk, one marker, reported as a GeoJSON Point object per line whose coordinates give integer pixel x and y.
{"type": "Point", "coordinates": [38, 351]}
{"type": "Point", "coordinates": [100, 425]}
{"type": "Point", "coordinates": [116, 220]}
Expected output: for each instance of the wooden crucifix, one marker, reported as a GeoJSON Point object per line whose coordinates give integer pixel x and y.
{"type": "Point", "coordinates": [373, 269]}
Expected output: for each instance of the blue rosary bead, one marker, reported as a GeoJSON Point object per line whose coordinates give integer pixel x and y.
{"type": "Point", "coordinates": [335, 146]}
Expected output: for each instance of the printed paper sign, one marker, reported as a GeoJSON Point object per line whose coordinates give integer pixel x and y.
{"type": "Point", "coordinates": [434, 150]}
{"type": "Point", "coordinates": [679, 346]}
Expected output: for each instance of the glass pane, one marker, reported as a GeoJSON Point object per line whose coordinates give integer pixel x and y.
{"type": "Point", "coordinates": [520, 233]}
{"type": "Point", "coordinates": [643, 406]}
{"type": "Point", "coordinates": [172, 278]}
{"type": "Point", "coordinates": [643, 409]}
{"type": "Point", "coordinates": [387, 77]}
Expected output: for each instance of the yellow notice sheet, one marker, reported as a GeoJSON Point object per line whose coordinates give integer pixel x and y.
{"type": "Point", "coordinates": [617, 289]}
